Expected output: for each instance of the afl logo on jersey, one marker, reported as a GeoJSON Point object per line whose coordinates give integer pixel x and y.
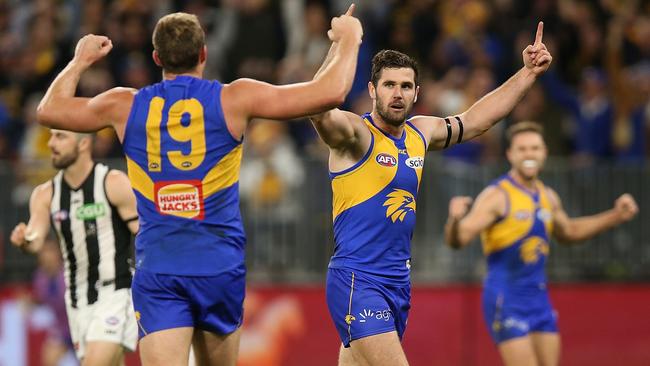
{"type": "Point", "coordinates": [60, 216]}
{"type": "Point", "coordinates": [416, 162]}
{"type": "Point", "coordinates": [386, 160]}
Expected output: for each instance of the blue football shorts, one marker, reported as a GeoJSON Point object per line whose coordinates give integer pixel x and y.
{"type": "Point", "coordinates": [509, 316]}
{"type": "Point", "coordinates": [211, 303]}
{"type": "Point", "coordinates": [362, 306]}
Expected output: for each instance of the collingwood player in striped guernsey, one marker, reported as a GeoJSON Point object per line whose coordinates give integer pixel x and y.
{"type": "Point", "coordinates": [92, 210]}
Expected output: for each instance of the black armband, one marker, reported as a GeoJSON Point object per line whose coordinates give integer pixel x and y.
{"type": "Point", "coordinates": [448, 133]}
{"type": "Point", "coordinates": [460, 130]}
{"type": "Point", "coordinates": [130, 219]}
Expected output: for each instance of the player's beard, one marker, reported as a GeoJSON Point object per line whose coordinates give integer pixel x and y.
{"type": "Point", "coordinates": [64, 161]}
{"type": "Point", "coordinates": [391, 117]}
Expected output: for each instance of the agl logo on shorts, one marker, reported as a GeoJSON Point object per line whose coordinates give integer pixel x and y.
{"type": "Point", "coordinates": [180, 198]}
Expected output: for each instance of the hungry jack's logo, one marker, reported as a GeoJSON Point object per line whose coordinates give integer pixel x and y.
{"type": "Point", "coordinates": [180, 198]}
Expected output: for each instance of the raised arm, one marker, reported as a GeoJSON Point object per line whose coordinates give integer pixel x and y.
{"type": "Point", "coordinates": [245, 99]}
{"type": "Point", "coordinates": [570, 230]}
{"type": "Point", "coordinates": [462, 227]}
{"type": "Point", "coordinates": [120, 195]}
{"type": "Point", "coordinates": [493, 107]}
{"type": "Point", "coordinates": [60, 109]}
{"type": "Point", "coordinates": [31, 237]}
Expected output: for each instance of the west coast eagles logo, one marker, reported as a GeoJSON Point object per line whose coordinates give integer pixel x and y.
{"type": "Point", "coordinates": [533, 249]}
{"type": "Point", "coordinates": [399, 202]}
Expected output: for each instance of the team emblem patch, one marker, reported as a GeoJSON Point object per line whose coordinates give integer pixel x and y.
{"type": "Point", "coordinates": [180, 198]}
{"type": "Point", "coordinates": [532, 249]}
{"type": "Point", "coordinates": [386, 160]}
{"type": "Point", "coordinates": [399, 202]}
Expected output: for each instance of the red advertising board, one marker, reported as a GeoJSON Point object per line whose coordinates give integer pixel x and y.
{"type": "Point", "coordinates": [601, 325]}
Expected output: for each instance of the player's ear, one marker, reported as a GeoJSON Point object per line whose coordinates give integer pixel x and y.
{"type": "Point", "coordinates": [372, 91]}
{"type": "Point", "coordinates": [203, 55]}
{"type": "Point", "coordinates": [155, 57]}
{"type": "Point", "coordinates": [417, 91]}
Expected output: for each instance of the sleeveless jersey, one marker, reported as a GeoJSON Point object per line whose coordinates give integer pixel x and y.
{"type": "Point", "coordinates": [374, 205]}
{"type": "Point", "coordinates": [183, 164]}
{"type": "Point", "coordinates": [93, 237]}
{"type": "Point", "coordinates": [517, 245]}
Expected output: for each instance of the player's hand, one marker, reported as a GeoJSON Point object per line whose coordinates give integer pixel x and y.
{"type": "Point", "coordinates": [18, 235]}
{"type": "Point", "coordinates": [626, 207]}
{"type": "Point", "coordinates": [91, 48]}
{"type": "Point", "coordinates": [459, 206]}
{"type": "Point", "coordinates": [345, 26]}
{"type": "Point", "coordinates": [537, 59]}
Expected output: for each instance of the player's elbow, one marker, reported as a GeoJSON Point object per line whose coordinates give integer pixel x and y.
{"type": "Point", "coordinates": [44, 115]}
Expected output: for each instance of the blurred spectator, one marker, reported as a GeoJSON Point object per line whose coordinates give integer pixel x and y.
{"type": "Point", "coordinates": [270, 174]}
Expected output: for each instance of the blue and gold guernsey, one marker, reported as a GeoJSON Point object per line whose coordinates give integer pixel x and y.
{"type": "Point", "coordinates": [183, 164]}
{"type": "Point", "coordinates": [374, 206]}
{"type": "Point", "coordinates": [368, 284]}
{"type": "Point", "coordinates": [515, 298]}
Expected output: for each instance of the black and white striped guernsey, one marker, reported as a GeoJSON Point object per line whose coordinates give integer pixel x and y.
{"type": "Point", "coordinates": [94, 239]}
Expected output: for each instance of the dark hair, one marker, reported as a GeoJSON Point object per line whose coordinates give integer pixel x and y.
{"type": "Point", "coordinates": [520, 127]}
{"type": "Point", "coordinates": [178, 39]}
{"type": "Point", "coordinates": [392, 60]}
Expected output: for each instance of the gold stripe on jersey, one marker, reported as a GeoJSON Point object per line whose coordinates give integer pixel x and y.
{"type": "Point", "coordinates": [140, 181]}
{"type": "Point", "coordinates": [519, 219]}
{"type": "Point", "coordinates": [224, 174]}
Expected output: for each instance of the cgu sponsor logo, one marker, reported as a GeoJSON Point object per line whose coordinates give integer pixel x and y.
{"type": "Point", "coordinates": [416, 162]}
{"type": "Point", "coordinates": [180, 198]}
{"type": "Point", "coordinates": [90, 211]}
{"type": "Point", "coordinates": [386, 160]}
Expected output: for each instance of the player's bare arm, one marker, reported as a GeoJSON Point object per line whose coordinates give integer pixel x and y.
{"type": "Point", "coordinates": [245, 99]}
{"type": "Point", "coordinates": [493, 107]}
{"type": "Point", "coordinates": [30, 237]}
{"type": "Point", "coordinates": [120, 194]}
{"type": "Point", "coordinates": [344, 132]}
{"type": "Point", "coordinates": [571, 230]}
{"type": "Point", "coordinates": [60, 109]}
{"type": "Point", "coordinates": [463, 226]}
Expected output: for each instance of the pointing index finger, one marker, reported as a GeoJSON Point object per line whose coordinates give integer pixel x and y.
{"type": "Point", "coordinates": [539, 34]}
{"type": "Point", "coordinates": [350, 9]}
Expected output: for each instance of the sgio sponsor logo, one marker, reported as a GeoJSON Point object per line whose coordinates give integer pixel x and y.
{"type": "Point", "coordinates": [415, 162]}
{"type": "Point", "coordinates": [386, 160]}
{"type": "Point", "coordinates": [180, 198]}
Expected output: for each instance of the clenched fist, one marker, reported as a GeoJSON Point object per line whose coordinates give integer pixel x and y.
{"type": "Point", "coordinates": [459, 206]}
{"type": "Point", "coordinates": [626, 207]}
{"type": "Point", "coordinates": [91, 48]}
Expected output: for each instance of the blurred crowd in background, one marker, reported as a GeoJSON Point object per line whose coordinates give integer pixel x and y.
{"type": "Point", "coordinates": [594, 103]}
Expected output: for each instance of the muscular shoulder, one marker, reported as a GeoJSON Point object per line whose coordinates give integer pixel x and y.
{"type": "Point", "coordinates": [492, 198]}
{"type": "Point", "coordinates": [42, 194]}
{"type": "Point", "coordinates": [43, 191]}
{"type": "Point", "coordinates": [117, 186]}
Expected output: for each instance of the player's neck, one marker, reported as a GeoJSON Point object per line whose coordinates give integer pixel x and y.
{"type": "Point", "coordinates": [172, 76]}
{"type": "Point", "coordinates": [529, 184]}
{"type": "Point", "coordinates": [78, 171]}
{"type": "Point", "coordinates": [395, 131]}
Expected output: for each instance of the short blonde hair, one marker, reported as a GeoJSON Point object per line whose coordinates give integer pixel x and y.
{"type": "Point", "coordinates": [178, 39]}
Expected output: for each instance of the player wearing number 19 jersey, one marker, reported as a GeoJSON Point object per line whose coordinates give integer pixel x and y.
{"type": "Point", "coordinates": [182, 140]}
{"type": "Point", "coordinates": [183, 164]}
